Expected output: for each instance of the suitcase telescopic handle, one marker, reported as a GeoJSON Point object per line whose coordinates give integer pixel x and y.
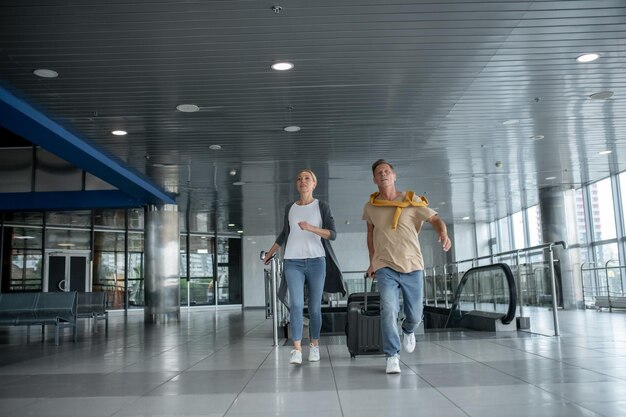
{"type": "Point", "coordinates": [365, 291]}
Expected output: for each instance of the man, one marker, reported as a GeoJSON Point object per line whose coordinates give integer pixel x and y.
{"type": "Point", "coordinates": [394, 220]}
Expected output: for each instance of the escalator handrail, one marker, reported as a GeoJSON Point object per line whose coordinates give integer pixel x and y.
{"type": "Point", "coordinates": [510, 315]}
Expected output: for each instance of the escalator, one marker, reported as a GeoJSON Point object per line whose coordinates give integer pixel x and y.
{"type": "Point", "coordinates": [485, 299]}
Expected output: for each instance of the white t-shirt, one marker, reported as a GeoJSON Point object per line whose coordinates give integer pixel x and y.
{"type": "Point", "coordinates": [302, 244]}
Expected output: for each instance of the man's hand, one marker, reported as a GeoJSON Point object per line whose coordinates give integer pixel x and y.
{"type": "Point", "coordinates": [445, 242]}
{"type": "Point", "coordinates": [370, 272]}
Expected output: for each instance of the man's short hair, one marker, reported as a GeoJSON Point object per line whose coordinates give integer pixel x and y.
{"type": "Point", "coordinates": [380, 162]}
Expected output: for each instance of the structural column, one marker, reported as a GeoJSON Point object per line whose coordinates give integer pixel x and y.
{"type": "Point", "coordinates": [162, 268]}
{"type": "Point", "coordinates": [556, 206]}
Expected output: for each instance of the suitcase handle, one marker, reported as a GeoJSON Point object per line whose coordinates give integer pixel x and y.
{"type": "Point", "coordinates": [365, 290]}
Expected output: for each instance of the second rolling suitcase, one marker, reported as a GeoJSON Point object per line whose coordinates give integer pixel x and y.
{"type": "Point", "coordinates": [363, 331]}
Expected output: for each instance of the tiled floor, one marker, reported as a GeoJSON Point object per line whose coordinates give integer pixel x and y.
{"type": "Point", "coordinates": [223, 364]}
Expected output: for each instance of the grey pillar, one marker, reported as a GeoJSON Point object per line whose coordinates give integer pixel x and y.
{"type": "Point", "coordinates": [556, 205]}
{"type": "Point", "coordinates": [162, 269]}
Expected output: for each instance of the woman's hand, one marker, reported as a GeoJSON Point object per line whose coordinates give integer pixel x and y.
{"type": "Point", "coordinates": [270, 254]}
{"type": "Point", "coordinates": [267, 258]}
{"type": "Point", "coordinates": [305, 226]}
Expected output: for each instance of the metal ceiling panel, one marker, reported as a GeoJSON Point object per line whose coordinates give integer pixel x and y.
{"type": "Point", "coordinates": [425, 84]}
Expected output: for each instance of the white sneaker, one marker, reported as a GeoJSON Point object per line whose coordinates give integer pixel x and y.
{"type": "Point", "coordinates": [393, 364]}
{"type": "Point", "coordinates": [296, 357]}
{"type": "Point", "coordinates": [408, 342]}
{"type": "Point", "coordinates": [314, 353]}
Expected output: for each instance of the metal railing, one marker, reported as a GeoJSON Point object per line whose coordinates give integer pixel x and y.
{"type": "Point", "coordinates": [454, 273]}
{"type": "Point", "coordinates": [273, 294]}
{"type": "Point", "coordinates": [598, 290]}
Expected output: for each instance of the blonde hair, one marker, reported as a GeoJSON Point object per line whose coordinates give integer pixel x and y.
{"type": "Point", "coordinates": [309, 172]}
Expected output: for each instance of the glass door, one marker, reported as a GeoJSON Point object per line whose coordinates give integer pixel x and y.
{"type": "Point", "coordinates": [67, 271]}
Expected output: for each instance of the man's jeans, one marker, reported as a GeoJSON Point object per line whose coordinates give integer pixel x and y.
{"type": "Point", "coordinates": [297, 272]}
{"type": "Point", "coordinates": [390, 283]}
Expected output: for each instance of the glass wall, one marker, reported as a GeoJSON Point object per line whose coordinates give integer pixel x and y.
{"type": "Point", "coordinates": [602, 211]}
{"type": "Point", "coordinates": [199, 289]}
{"type": "Point", "coordinates": [504, 235]}
{"type": "Point", "coordinates": [24, 268]}
{"type": "Point", "coordinates": [108, 267]}
{"type": "Point", "coordinates": [113, 241]}
{"type": "Point", "coordinates": [534, 226]}
{"type": "Point", "coordinates": [519, 236]}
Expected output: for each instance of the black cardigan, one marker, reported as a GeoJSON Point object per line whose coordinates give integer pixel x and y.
{"type": "Point", "coordinates": [334, 279]}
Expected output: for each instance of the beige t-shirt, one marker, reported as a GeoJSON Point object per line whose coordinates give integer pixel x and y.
{"type": "Point", "coordinates": [397, 249]}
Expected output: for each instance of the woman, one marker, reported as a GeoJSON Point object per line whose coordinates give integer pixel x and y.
{"type": "Point", "coordinates": [307, 231]}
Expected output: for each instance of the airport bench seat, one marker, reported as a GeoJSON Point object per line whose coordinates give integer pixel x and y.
{"type": "Point", "coordinates": [44, 308]}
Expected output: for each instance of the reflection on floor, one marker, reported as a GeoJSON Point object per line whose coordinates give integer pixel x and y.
{"type": "Point", "coordinates": [223, 364]}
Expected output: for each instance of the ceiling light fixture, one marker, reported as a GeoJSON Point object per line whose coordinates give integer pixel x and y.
{"type": "Point", "coordinates": [239, 183]}
{"type": "Point", "coordinates": [537, 137]}
{"type": "Point", "coordinates": [510, 122]}
{"type": "Point", "coordinates": [215, 147]}
{"type": "Point", "coordinates": [585, 58]}
{"type": "Point", "coordinates": [602, 95]}
{"type": "Point", "coordinates": [23, 237]}
{"type": "Point", "coordinates": [45, 73]}
{"type": "Point", "coordinates": [119, 133]}
{"type": "Point", "coordinates": [282, 66]}
{"type": "Point", "coordinates": [466, 218]}
{"type": "Point", "coordinates": [187, 108]}
{"type": "Point", "coordinates": [231, 224]}
{"type": "Point", "coordinates": [240, 231]}
{"type": "Point", "coordinates": [291, 128]}
{"type": "Point", "coordinates": [605, 152]}
{"type": "Point", "coordinates": [550, 178]}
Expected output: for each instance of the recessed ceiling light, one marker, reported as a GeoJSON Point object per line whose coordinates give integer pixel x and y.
{"type": "Point", "coordinates": [604, 152]}
{"type": "Point", "coordinates": [537, 137]}
{"type": "Point", "coordinates": [239, 183]}
{"type": "Point", "coordinates": [510, 122]}
{"type": "Point", "coordinates": [550, 178]}
{"type": "Point", "coordinates": [45, 73]}
{"type": "Point", "coordinates": [282, 66]}
{"type": "Point", "coordinates": [587, 58]}
{"type": "Point", "coordinates": [602, 95]}
{"type": "Point", "coordinates": [215, 147]}
{"type": "Point", "coordinates": [291, 128]}
{"type": "Point", "coordinates": [240, 231]}
{"type": "Point", "coordinates": [23, 237]}
{"type": "Point", "coordinates": [231, 224]}
{"type": "Point", "coordinates": [119, 132]}
{"type": "Point", "coordinates": [66, 245]}
{"type": "Point", "coordinates": [187, 108]}
{"type": "Point", "coordinates": [466, 218]}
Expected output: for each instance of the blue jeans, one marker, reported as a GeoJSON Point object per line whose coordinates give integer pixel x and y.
{"type": "Point", "coordinates": [390, 283]}
{"type": "Point", "coordinates": [297, 272]}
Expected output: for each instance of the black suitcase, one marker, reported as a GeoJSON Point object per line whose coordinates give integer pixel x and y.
{"type": "Point", "coordinates": [363, 332]}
